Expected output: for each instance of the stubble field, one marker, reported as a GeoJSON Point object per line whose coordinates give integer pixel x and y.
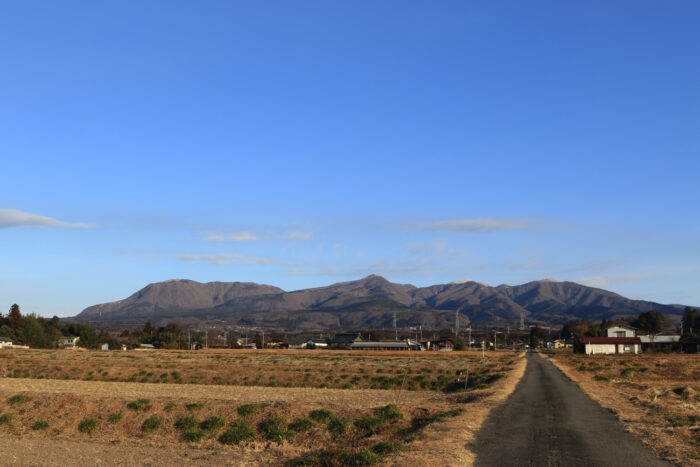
{"type": "Point", "coordinates": [246, 407]}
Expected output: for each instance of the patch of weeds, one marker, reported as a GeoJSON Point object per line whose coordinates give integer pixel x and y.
{"type": "Point", "coordinates": [212, 424]}
{"type": "Point", "coordinates": [187, 423]}
{"type": "Point", "coordinates": [601, 378]}
{"type": "Point", "coordinates": [275, 429]}
{"type": "Point", "coordinates": [247, 410]}
{"type": "Point", "coordinates": [386, 447]}
{"type": "Point", "coordinates": [388, 413]}
{"type": "Point", "coordinates": [361, 457]}
{"type": "Point", "coordinates": [40, 425]}
{"type": "Point", "coordinates": [6, 418]}
{"type": "Point", "coordinates": [193, 436]}
{"type": "Point", "coordinates": [410, 438]}
{"type": "Point", "coordinates": [88, 425]}
{"type": "Point", "coordinates": [152, 423]}
{"type": "Point", "coordinates": [627, 371]}
{"type": "Point", "coordinates": [367, 423]}
{"type": "Point", "coordinates": [337, 428]}
{"type": "Point", "coordinates": [301, 425]}
{"type": "Point", "coordinates": [170, 406]}
{"type": "Point", "coordinates": [321, 415]}
{"type": "Point", "coordinates": [138, 404]}
{"type": "Point", "coordinates": [115, 417]}
{"type": "Point", "coordinates": [239, 432]}
{"type": "Point", "coordinates": [18, 399]}
{"type": "Point", "coordinates": [194, 406]}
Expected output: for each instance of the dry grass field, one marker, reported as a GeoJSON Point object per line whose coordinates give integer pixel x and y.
{"type": "Point", "coordinates": [655, 396]}
{"type": "Point", "coordinates": [184, 405]}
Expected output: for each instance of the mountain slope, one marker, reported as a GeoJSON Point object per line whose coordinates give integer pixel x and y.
{"type": "Point", "coordinates": [366, 303]}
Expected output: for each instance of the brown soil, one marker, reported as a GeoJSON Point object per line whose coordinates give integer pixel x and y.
{"type": "Point", "coordinates": [63, 403]}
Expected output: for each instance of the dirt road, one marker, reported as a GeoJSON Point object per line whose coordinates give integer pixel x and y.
{"type": "Point", "coordinates": [549, 421]}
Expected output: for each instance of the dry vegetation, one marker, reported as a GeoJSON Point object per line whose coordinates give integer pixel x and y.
{"type": "Point", "coordinates": [306, 424]}
{"type": "Point", "coordinates": [305, 368]}
{"type": "Point", "coordinates": [655, 396]}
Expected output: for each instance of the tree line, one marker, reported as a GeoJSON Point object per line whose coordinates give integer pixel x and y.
{"type": "Point", "coordinates": [43, 333]}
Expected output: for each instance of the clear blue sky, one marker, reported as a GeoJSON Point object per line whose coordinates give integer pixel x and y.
{"type": "Point", "coordinates": [304, 143]}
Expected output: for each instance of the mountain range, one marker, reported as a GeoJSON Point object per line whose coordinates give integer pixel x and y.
{"type": "Point", "coordinates": [368, 303]}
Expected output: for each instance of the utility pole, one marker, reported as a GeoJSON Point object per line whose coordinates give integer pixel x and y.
{"type": "Point", "coordinates": [189, 346]}
{"type": "Point", "coordinates": [396, 331]}
{"type": "Point", "coordinates": [470, 337]}
{"type": "Point", "coordinates": [456, 323]}
{"type": "Point", "coordinates": [263, 339]}
{"type": "Point", "coordinates": [206, 339]}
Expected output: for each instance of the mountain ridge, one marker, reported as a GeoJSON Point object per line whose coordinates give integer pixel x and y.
{"type": "Point", "coordinates": [369, 302]}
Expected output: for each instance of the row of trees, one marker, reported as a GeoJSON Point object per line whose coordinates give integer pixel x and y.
{"type": "Point", "coordinates": [43, 333]}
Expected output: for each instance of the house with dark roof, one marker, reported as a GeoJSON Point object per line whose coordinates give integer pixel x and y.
{"type": "Point", "coordinates": [345, 340]}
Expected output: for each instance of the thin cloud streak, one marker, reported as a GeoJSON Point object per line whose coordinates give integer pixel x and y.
{"type": "Point", "coordinates": [223, 259]}
{"type": "Point", "coordinates": [298, 236]}
{"type": "Point", "coordinates": [13, 218]}
{"type": "Point", "coordinates": [483, 225]}
{"type": "Point", "coordinates": [233, 237]}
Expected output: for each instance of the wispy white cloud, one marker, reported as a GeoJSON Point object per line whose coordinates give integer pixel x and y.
{"type": "Point", "coordinates": [483, 225]}
{"type": "Point", "coordinates": [224, 258]}
{"type": "Point", "coordinates": [595, 281]}
{"type": "Point", "coordinates": [298, 236]}
{"type": "Point", "coordinates": [233, 237]}
{"type": "Point", "coordinates": [14, 218]}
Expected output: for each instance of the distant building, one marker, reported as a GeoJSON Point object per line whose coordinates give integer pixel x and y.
{"type": "Point", "coordinates": [145, 347]}
{"type": "Point", "coordinates": [344, 340]}
{"type": "Point", "coordinates": [407, 344]}
{"type": "Point", "coordinates": [68, 342]}
{"type": "Point", "coordinates": [104, 346]}
{"type": "Point", "coordinates": [621, 330]}
{"type": "Point", "coordinates": [443, 345]}
{"type": "Point", "coordinates": [612, 345]}
{"type": "Point", "coordinates": [6, 342]}
{"type": "Point", "coordinates": [317, 344]}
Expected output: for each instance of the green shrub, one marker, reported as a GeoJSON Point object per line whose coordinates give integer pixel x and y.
{"type": "Point", "coordinates": [170, 406]}
{"type": "Point", "coordinates": [275, 429]}
{"type": "Point", "coordinates": [115, 417]}
{"type": "Point", "coordinates": [18, 399]}
{"type": "Point", "coordinates": [386, 447]}
{"type": "Point", "coordinates": [321, 415]}
{"type": "Point", "coordinates": [388, 413]}
{"type": "Point", "coordinates": [361, 457]}
{"type": "Point", "coordinates": [40, 425]}
{"type": "Point", "coordinates": [6, 419]}
{"type": "Point", "coordinates": [367, 423]}
{"type": "Point", "coordinates": [152, 423]}
{"type": "Point", "coordinates": [337, 427]}
{"type": "Point", "coordinates": [88, 425]}
{"type": "Point", "coordinates": [187, 423]}
{"type": "Point", "coordinates": [139, 404]}
{"type": "Point", "coordinates": [239, 432]}
{"type": "Point", "coordinates": [193, 436]}
{"type": "Point", "coordinates": [301, 425]}
{"type": "Point", "coordinates": [246, 410]}
{"type": "Point", "coordinates": [194, 406]}
{"type": "Point", "coordinates": [213, 423]}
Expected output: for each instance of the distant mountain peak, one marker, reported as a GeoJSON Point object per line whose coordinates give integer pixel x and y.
{"type": "Point", "coordinates": [369, 303]}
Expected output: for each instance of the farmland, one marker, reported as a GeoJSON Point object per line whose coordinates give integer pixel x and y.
{"type": "Point", "coordinates": [654, 396]}
{"type": "Point", "coordinates": [257, 407]}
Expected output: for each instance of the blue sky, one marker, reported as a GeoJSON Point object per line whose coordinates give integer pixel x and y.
{"type": "Point", "coordinates": [304, 143]}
